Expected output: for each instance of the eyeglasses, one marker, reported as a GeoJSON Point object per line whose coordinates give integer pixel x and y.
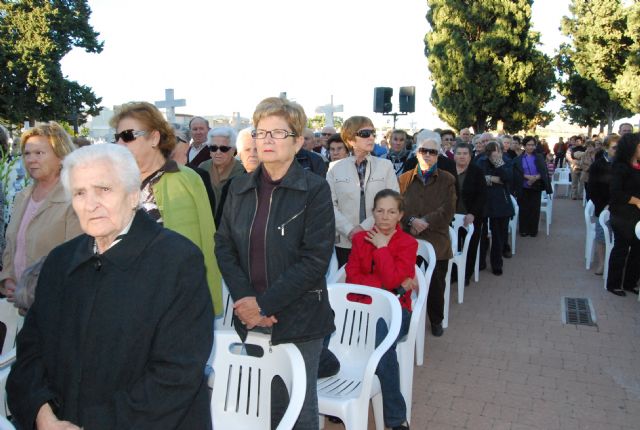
{"type": "Point", "coordinates": [326, 134]}
{"type": "Point", "coordinates": [448, 139]}
{"type": "Point", "coordinates": [278, 133]}
{"type": "Point", "coordinates": [214, 148]}
{"type": "Point", "coordinates": [366, 133]}
{"type": "Point", "coordinates": [128, 135]}
{"type": "Point", "coordinates": [425, 151]}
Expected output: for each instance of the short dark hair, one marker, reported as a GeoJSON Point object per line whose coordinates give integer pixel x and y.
{"type": "Point", "coordinates": [627, 146]}
{"type": "Point", "coordinates": [201, 119]}
{"type": "Point", "coordinates": [387, 192]}
{"type": "Point", "coordinates": [334, 138]}
{"type": "Point", "coordinates": [527, 139]}
{"type": "Point", "coordinates": [449, 132]}
{"type": "Point", "coordinates": [463, 145]}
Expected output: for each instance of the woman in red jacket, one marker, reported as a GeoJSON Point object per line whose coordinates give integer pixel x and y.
{"type": "Point", "coordinates": [385, 257]}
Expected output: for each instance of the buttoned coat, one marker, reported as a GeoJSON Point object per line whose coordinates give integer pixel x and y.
{"type": "Point", "coordinates": [118, 340]}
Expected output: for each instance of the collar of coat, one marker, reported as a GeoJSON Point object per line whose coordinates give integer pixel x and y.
{"type": "Point", "coordinates": [143, 230]}
{"type": "Point", "coordinates": [293, 179]}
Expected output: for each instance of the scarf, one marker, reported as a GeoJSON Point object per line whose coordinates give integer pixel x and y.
{"type": "Point", "coordinates": [424, 176]}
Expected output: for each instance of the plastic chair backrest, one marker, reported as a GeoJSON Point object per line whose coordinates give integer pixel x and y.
{"type": "Point", "coordinates": [589, 210]}
{"type": "Point", "coordinates": [333, 266]}
{"type": "Point", "coordinates": [428, 254]}
{"type": "Point", "coordinates": [516, 208]}
{"type": "Point", "coordinates": [339, 275]}
{"type": "Point", "coordinates": [242, 387]}
{"type": "Point", "coordinates": [603, 219]}
{"type": "Point", "coordinates": [354, 339]}
{"type": "Point", "coordinates": [12, 320]}
{"type": "Point", "coordinates": [5, 424]}
{"type": "Point", "coordinates": [226, 321]}
{"type": "Point", "coordinates": [457, 224]}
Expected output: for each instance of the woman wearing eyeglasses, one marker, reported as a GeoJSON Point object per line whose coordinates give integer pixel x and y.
{"type": "Point", "coordinates": [42, 217]}
{"type": "Point", "coordinates": [222, 166]}
{"type": "Point", "coordinates": [274, 245]}
{"type": "Point", "coordinates": [172, 195]}
{"type": "Point", "coordinates": [355, 181]}
{"type": "Point", "coordinates": [430, 203]}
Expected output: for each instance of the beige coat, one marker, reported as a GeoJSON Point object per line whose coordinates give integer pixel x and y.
{"type": "Point", "coordinates": [345, 192]}
{"type": "Point", "coordinates": [54, 223]}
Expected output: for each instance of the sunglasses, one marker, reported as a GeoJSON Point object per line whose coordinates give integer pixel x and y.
{"type": "Point", "coordinates": [128, 135]}
{"type": "Point", "coordinates": [366, 133]}
{"type": "Point", "coordinates": [214, 148]}
{"type": "Point", "coordinates": [425, 151]}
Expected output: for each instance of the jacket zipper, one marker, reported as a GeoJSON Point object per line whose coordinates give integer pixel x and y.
{"type": "Point", "coordinates": [266, 229]}
{"type": "Point", "coordinates": [250, 230]}
{"type": "Point", "coordinates": [282, 226]}
{"type": "Point", "coordinates": [318, 292]}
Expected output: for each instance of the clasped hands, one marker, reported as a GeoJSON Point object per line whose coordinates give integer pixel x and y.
{"type": "Point", "coordinates": [531, 179]}
{"type": "Point", "coordinates": [418, 225]}
{"type": "Point", "coordinates": [248, 311]}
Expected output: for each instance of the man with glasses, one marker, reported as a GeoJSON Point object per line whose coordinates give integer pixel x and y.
{"type": "Point", "coordinates": [448, 141]}
{"type": "Point", "coordinates": [198, 153]}
{"type": "Point", "coordinates": [325, 134]}
{"type": "Point", "coordinates": [430, 203]}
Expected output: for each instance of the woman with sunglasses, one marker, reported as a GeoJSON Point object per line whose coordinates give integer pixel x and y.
{"type": "Point", "coordinates": [430, 203]}
{"type": "Point", "coordinates": [599, 183]}
{"type": "Point", "coordinates": [172, 195]}
{"type": "Point", "coordinates": [355, 181]}
{"type": "Point", "coordinates": [222, 166]}
{"type": "Point", "coordinates": [42, 218]}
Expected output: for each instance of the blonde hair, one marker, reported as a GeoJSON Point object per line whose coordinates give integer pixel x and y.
{"type": "Point", "coordinates": [57, 137]}
{"type": "Point", "coordinates": [290, 111]}
{"type": "Point", "coordinates": [152, 119]}
{"type": "Point", "coordinates": [351, 127]}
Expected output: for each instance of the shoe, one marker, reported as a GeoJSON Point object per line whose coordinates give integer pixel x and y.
{"type": "Point", "coordinates": [334, 420]}
{"type": "Point", "coordinates": [618, 292]}
{"type": "Point", "coordinates": [404, 426]}
{"type": "Point", "coordinates": [599, 272]}
{"type": "Point", "coordinates": [507, 253]}
{"type": "Point", "coordinates": [632, 290]}
{"type": "Point", "coordinates": [497, 272]}
{"type": "Point", "coordinates": [534, 234]}
{"type": "Point", "coordinates": [523, 234]}
{"type": "Point", "coordinates": [436, 330]}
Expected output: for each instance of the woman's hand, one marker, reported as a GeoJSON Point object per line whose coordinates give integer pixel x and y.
{"type": "Point", "coordinates": [47, 420]}
{"type": "Point", "coordinates": [10, 289]}
{"type": "Point", "coordinates": [377, 238]}
{"type": "Point", "coordinates": [410, 284]}
{"type": "Point", "coordinates": [354, 230]}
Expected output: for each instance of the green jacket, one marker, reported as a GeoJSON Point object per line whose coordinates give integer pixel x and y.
{"type": "Point", "coordinates": [184, 206]}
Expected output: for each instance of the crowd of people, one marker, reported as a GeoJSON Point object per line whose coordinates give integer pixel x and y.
{"type": "Point", "coordinates": [128, 245]}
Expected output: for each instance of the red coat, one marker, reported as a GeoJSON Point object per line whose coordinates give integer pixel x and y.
{"type": "Point", "coordinates": [383, 267]}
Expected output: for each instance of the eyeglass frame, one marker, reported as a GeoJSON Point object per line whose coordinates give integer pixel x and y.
{"type": "Point", "coordinates": [214, 148]}
{"type": "Point", "coordinates": [134, 133]}
{"type": "Point", "coordinates": [371, 132]}
{"type": "Point", "coordinates": [424, 151]}
{"type": "Point", "coordinates": [254, 133]}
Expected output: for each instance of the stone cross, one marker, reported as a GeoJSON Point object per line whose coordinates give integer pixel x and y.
{"type": "Point", "coordinates": [170, 104]}
{"type": "Point", "coordinates": [328, 111]}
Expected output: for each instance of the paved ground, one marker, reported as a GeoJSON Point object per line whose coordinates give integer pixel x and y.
{"type": "Point", "coordinates": [508, 362]}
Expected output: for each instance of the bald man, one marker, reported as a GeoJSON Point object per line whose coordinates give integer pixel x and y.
{"type": "Point", "coordinates": [465, 135]}
{"type": "Point", "coordinates": [198, 150]}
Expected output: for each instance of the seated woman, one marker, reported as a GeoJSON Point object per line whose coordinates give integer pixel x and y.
{"type": "Point", "coordinates": [385, 257]}
{"type": "Point", "coordinates": [122, 325]}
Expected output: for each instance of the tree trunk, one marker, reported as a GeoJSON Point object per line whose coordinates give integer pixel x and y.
{"type": "Point", "coordinates": [601, 128]}
{"type": "Point", "coordinates": [589, 130]}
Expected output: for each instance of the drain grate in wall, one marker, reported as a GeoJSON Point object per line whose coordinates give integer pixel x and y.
{"type": "Point", "coordinates": [578, 311]}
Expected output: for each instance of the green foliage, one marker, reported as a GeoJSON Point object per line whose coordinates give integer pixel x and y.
{"type": "Point", "coordinates": [485, 66]}
{"type": "Point", "coordinates": [585, 103]}
{"type": "Point", "coordinates": [34, 36]}
{"type": "Point", "coordinates": [318, 121]}
{"type": "Point", "coordinates": [605, 47]}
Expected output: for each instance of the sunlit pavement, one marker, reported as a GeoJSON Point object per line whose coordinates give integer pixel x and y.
{"type": "Point", "coordinates": [507, 361]}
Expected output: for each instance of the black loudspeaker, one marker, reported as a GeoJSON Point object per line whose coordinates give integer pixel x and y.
{"type": "Point", "coordinates": [382, 99]}
{"type": "Point", "coordinates": [407, 99]}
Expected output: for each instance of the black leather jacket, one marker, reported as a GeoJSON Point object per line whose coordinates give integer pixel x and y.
{"type": "Point", "coordinates": [300, 235]}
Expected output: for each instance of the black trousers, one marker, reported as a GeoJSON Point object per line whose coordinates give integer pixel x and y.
{"type": "Point", "coordinates": [499, 232]}
{"type": "Point", "coordinates": [343, 255]}
{"type": "Point", "coordinates": [529, 203]}
{"type": "Point", "coordinates": [624, 262]}
{"type": "Point", "coordinates": [435, 299]}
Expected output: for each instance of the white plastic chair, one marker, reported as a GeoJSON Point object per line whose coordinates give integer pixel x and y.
{"type": "Point", "coordinates": [590, 235]}
{"type": "Point", "coordinates": [226, 321]}
{"type": "Point", "coordinates": [513, 224]}
{"type": "Point", "coordinates": [347, 394]}
{"type": "Point", "coordinates": [5, 424]}
{"type": "Point", "coordinates": [603, 219]}
{"type": "Point", "coordinates": [12, 320]}
{"type": "Point", "coordinates": [242, 388]}
{"type": "Point", "coordinates": [546, 207]}
{"type": "Point", "coordinates": [561, 177]}
{"type": "Point", "coordinates": [339, 275]}
{"type": "Point", "coordinates": [333, 265]}
{"type": "Point", "coordinates": [6, 360]}
{"type": "Point", "coordinates": [428, 254]}
{"type": "Point", "coordinates": [459, 259]}
{"type": "Point", "coordinates": [407, 346]}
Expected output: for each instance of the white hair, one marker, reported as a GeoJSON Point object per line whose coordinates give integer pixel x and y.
{"type": "Point", "coordinates": [243, 136]}
{"type": "Point", "coordinates": [227, 132]}
{"type": "Point", "coordinates": [428, 135]}
{"type": "Point", "coordinates": [119, 158]}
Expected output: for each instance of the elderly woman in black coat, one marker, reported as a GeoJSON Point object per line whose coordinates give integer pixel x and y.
{"type": "Point", "coordinates": [122, 324]}
{"type": "Point", "coordinates": [531, 177]}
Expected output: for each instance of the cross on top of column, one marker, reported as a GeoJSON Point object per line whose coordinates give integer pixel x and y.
{"type": "Point", "coordinates": [328, 111]}
{"type": "Point", "coordinates": [170, 103]}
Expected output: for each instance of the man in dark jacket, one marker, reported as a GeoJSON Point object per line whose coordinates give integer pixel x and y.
{"type": "Point", "coordinates": [312, 162]}
{"type": "Point", "coordinates": [472, 197]}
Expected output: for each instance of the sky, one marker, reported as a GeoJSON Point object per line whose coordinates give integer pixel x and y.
{"type": "Point", "coordinates": [226, 56]}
